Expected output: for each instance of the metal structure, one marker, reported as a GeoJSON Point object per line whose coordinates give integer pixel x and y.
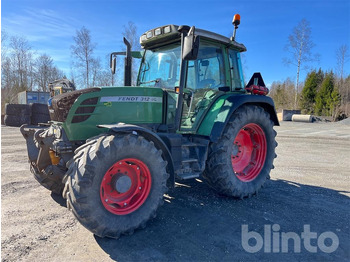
{"type": "Point", "coordinates": [114, 151]}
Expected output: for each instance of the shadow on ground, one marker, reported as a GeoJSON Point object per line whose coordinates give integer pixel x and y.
{"type": "Point", "coordinates": [196, 224]}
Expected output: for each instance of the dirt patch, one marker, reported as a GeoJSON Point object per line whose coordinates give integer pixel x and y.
{"type": "Point", "coordinates": [309, 186]}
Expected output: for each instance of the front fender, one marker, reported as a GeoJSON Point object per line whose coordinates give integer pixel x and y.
{"type": "Point", "coordinates": [150, 136]}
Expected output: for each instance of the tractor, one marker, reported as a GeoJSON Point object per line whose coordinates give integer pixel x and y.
{"type": "Point", "coordinates": [113, 152]}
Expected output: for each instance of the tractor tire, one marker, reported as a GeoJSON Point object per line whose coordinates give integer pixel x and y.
{"type": "Point", "coordinates": [17, 109]}
{"type": "Point", "coordinates": [39, 118]}
{"type": "Point", "coordinates": [115, 184]}
{"type": "Point", "coordinates": [16, 120]}
{"type": "Point", "coordinates": [240, 162]}
{"type": "Point", "coordinates": [37, 108]}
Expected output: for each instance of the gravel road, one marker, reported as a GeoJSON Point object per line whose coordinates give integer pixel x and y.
{"type": "Point", "coordinates": [310, 186]}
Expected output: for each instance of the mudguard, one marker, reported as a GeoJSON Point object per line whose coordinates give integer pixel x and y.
{"type": "Point", "coordinates": [232, 103]}
{"type": "Point", "coordinates": [150, 136]}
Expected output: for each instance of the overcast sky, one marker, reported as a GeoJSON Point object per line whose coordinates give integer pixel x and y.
{"type": "Point", "coordinates": [265, 25]}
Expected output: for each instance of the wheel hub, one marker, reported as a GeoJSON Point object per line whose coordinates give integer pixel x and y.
{"type": "Point", "coordinates": [125, 186]}
{"type": "Point", "coordinates": [249, 152]}
{"type": "Point", "coordinates": [122, 184]}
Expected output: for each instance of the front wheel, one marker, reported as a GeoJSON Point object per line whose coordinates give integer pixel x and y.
{"type": "Point", "coordinates": [115, 184]}
{"type": "Point", "coordinates": [240, 162]}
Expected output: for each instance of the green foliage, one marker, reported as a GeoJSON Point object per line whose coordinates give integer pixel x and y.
{"type": "Point", "coordinates": [283, 94]}
{"type": "Point", "coordinates": [328, 98]}
{"type": "Point", "coordinates": [309, 92]}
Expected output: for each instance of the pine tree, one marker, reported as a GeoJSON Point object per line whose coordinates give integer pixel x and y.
{"type": "Point", "coordinates": [327, 99]}
{"type": "Point", "coordinates": [308, 94]}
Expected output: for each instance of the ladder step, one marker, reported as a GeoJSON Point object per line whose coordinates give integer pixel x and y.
{"type": "Point", "coordinates": [190, 160]}
{"type": "Point", "coordinates": [188, 175]}
{"type": "Point", "coordinates": [192, 144]}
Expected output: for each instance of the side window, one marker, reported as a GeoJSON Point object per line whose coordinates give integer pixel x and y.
{"type": "Point", "coordinates": [236, 70]}
{"type": "Point", "coordinates": [208, 70]}
{"type": "Point", "coordinates": [204, 76]}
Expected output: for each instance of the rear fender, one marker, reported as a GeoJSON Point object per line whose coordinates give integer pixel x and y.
{"type": "Point", "coordinates": [232, 103]}
{"type": "Point", "coordinates": [150, 136]}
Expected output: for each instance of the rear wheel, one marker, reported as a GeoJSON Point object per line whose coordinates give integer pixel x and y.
{"type": "Point", "coordinates": [115, 184]}
{"type": "Point", "coordinates": [240, 162]}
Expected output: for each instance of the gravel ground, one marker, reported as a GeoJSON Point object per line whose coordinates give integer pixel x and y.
{"type": "Point", "coordinates": [310, 185]}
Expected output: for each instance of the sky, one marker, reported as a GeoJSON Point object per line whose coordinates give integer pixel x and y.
{"type": "Point", "coordinates": [49, 26]}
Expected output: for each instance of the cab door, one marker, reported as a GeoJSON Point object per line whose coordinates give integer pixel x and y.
{"type": "Point", "coordinates": [205, 76]}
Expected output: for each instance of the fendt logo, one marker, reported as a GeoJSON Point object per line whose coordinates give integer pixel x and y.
{"type": "Point", "coordinates": [275, 241]}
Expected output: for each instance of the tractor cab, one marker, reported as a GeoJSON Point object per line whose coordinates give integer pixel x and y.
{"type": "Point", "coordinates": [214, 71]}
{"type": "Point", "coordinates": [200, 65]}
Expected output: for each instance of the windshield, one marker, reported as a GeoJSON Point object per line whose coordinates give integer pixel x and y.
{"type": "Point", "coordinates": [160, 67]}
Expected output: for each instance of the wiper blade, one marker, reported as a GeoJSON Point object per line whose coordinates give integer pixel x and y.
{"type": "Point", "coordinates": [152, 81]}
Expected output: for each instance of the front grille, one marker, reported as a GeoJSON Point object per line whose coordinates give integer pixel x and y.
{"type": "Point", "coordinates": [84, 110]}
{"type": "Point", "coordinates": [90, 101]}
{"type": "Point", "coordinates": [61, 104]}
{"type": "Point", "coordinates": [78, 119]}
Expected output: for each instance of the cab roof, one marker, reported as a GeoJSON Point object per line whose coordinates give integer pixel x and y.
{"type": "Point", "coordinates": [169, 33]}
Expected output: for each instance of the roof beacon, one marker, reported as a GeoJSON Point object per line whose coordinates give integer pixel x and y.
{"type": "Point", "coordinates": [236, 21]}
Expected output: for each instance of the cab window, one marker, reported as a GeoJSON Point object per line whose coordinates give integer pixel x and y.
{"type": "Point", "coordinates": [204, 77]}
{"type": "Point", "coordinates": [236, 70]}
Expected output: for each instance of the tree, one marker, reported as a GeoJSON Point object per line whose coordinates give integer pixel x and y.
{"type": "Point", "coordinates": [130, 33]}
{"type": "Point", "coordinates": [45, 72]}
{"type": "Point", "coordinates": [283, 94]}
{"type": "Point", "coordinates": [309, 92]}
{"type": "Point", "coordinates": [328, 98]}
{"type": "Point", "coordinates": [342, 54]}
{"type": "Point", "coordinates": [4, 38]}
{"type": "Point", "coordinates": [17, 68]}
{"type": "Point", "coordinates": [22, 64]}
{"type": "Point", "coordinates": [299, 46]}
{"type": "Point", "coordinates": [82, 51]}
{"type": "Point", "coordinates": [346, 102]}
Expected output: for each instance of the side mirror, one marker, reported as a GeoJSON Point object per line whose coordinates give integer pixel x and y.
{"type": "Point", "coordinates": [190, 45]}
{"type": "Point", "coordinates": [113, 64]}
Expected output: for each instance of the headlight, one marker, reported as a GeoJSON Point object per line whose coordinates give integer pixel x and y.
{"type": "Point", "coordinates": [143, 38]}
{"type": "Point", "coordinates": [57, 132]}
{"type": "Point", "coordinates": [158, 31]}
{"type": "Point", "coordinates": [167, 29]}
{"type": "Point", "coordinates": [149, 34]}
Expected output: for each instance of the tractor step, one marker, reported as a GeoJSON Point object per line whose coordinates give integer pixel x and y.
{"type": "Point", "coordinates": [190, 160]}
{"type": "Point", "coordinates": [186, 176]}
{"type": "Point", "coordinates": [192, 144]}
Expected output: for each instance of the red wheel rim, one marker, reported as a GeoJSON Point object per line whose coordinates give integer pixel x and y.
{"type": "Point", "coordinates": [249, 152]}
{"type": "Point", "coordinates": [125, 186]}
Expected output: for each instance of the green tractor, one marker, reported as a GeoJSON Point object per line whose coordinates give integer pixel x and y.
{"type": "Point", "coordinates": [113, 152]}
